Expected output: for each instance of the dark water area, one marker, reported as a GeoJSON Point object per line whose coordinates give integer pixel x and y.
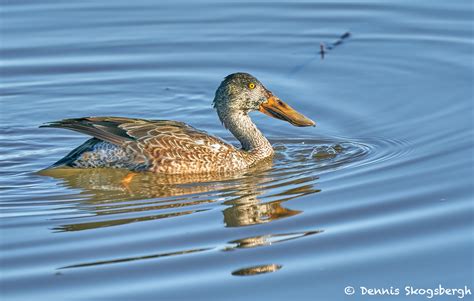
{"type": "Point", "coordinates": [378, 195]}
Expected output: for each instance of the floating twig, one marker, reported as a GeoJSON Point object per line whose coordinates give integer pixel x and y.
{"type": "Point", "coordinates": [322, 50]}
{"type": "Point", "coordinates": [325, 47]}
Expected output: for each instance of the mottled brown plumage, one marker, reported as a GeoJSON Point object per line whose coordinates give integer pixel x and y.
{"type": "Point", "coordinates": [172, 147]}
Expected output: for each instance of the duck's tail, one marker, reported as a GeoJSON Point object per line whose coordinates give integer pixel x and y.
{"type": "Point", "coordinates": [76, 153]}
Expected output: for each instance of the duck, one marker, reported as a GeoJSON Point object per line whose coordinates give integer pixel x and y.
{"type": "Point", "coordinates": [173, 147]}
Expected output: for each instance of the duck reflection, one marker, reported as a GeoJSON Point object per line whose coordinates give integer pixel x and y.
{"type": "Point", "coordinates": [256, 270]}
{"type": "Point", "coordinates": [254, 197]}
{"type": "Point", "coordinates": [266, 240]}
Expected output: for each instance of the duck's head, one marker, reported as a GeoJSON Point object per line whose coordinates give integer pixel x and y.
{"type": "Point", "coordinates": [241, 92]}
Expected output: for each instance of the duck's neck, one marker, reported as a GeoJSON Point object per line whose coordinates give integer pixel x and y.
{"type": "Point", "coordinates": [242, 127]}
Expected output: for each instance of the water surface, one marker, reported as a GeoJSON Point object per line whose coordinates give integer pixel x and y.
{"type": "Point", "coordinates": [379, 194]}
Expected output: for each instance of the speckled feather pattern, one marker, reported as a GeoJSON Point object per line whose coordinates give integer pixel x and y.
{"type": "Point", "coordinates": [160, 146]}
{"type": "Point", "coordinates": [104, 154]}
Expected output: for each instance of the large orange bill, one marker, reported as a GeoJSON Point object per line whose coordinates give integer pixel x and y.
{"type": "Point", "coordinates": [276, 108]}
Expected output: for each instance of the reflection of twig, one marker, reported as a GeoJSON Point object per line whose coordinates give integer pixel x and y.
{"type": "Point", "coordinates": [323, 48]}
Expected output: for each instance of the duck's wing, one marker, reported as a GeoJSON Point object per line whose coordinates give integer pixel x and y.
{"type": "Point", "coordinates": [110, 129]}
{"type": "Point", "coordinates": [152, 138]}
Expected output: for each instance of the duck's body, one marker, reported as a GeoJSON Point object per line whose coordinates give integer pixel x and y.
{"type": "Point", "coordinates": [160, 146]}
{"type": "Point", "coordinates": [172, 147]}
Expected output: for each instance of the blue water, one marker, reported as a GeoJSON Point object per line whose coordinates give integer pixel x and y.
{"type": "Point", "coordinates": [378, 195]}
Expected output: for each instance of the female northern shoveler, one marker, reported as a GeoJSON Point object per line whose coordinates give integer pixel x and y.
{"type": "Point", "coordinates": [173, 147]}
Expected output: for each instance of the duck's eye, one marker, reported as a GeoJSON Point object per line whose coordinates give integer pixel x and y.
{"type": "Point", "coordinates": [251, 86]}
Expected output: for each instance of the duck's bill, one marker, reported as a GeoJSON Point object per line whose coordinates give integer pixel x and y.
{"type": "Point", "coordinates": [276, 108]}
